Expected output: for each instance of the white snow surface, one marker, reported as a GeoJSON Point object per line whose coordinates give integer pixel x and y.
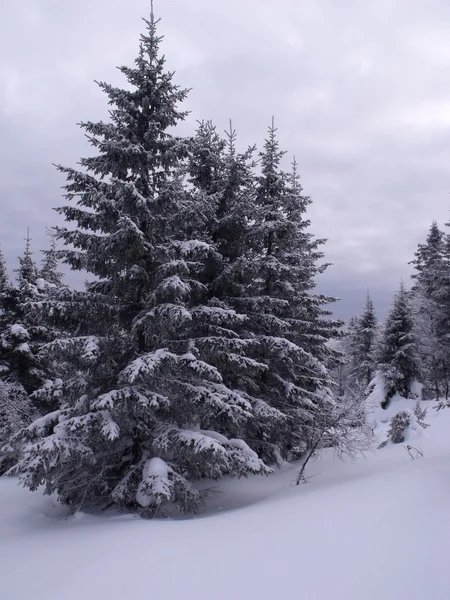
{"type": "Point", "coordinates": [378, 529]}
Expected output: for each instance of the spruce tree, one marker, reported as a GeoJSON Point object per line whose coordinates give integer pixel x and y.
{"type": "Point", "coordinates": [428, 262]}
{"type": "Point", "coordinates": [4, 312]}
{"type": "Point", "coordinates": [207, 159]}
{"type": "Point", "coordinates": [398, 360]}
{"type": "Point", "coordinates": [20, 368]}
{"type": "Point", "coordinates": [440, 309]}
{"type": "Point", "coordinates": [4, 279]}
{"type": "Point", "coordinates": [431, 293]}
{"type": "Point", "coordinates": [433, 348]}
{"type": "Point", "coordinates": [235, 201]}
{"type": "Point", "coordinates": [277, 274]}
{"type": "Point", "coordinates": [22, 331]}
{"type": "Point", "coordinates": [27, 272]}
{"type": "Point", "coordinates": [227, 177]}
{"type": "Point", "coordinates": [342, 371]}
{"type": "Point", "coordinates": [49, 270]}
{"type": "Point", "coordinates": [362, 345]}
{"type": "Point", "coordinates": [144, 404]}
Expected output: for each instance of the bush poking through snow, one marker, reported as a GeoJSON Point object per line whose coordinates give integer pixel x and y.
{"type": "Point", "coordinates": [399, 423]}
{"type": "Point", "coordinates": [414, 452]}
{"type": "Point", "coordinates": [344, 428]}
{"type": "Point", "coordinates": [402, 423]}
{"type": "Point", "coordinates": [420, 414]}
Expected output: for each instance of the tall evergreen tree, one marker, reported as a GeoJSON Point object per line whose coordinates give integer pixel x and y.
{"type": "Point", "coordinates": [228, 179]}
{"type": "Point", "coordinates": [428, 262]}
{"type": "Point", "coordinates": [440, 310]}
{"type": "Point", "coordinates": [398, 360]}
{"type": "Point", "coordinates": [21, 369]}
{"type": "Point", "coordinates": [207, 159]}
{"type": "Point", "coordinates": [4, 279]}
{"type": "Point", "coordinates": [433, 350]}
{"type": "Point", "coordinates": [144, 405]}
{"type": "Point", "coordinates": [4, 312]}
{"type": "Point", "coordinates": [235, 202]}
{"type": "Point", "coordinates": [342, 371]}
{"type": "Point", "coordinates": [363, 344]}
{"type": "Point", "coordinates": [278, 272]}
{"type": "Point", "coordinates": [431, 295]}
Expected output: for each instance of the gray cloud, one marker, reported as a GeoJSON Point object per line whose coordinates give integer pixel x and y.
{"type": "Point", "coordinates": [358, 90]}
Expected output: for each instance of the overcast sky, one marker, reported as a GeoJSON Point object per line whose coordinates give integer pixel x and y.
{"type": "Point", "coordinates": [360, 91]}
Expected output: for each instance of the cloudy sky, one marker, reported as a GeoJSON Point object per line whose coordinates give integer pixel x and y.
{"type": "Point", "coordinates": [360, 92]}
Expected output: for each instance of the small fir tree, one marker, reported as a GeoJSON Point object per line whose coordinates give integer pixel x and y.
{"type": "Point", "coordinates": [49, 271]}
{"type": "Point", "coordinates": [398, 360]}
{"type": "Point", "coordinates": [362, 345]}
{"type": "Point", "coordinates": [22, 332]}
{"type": "Point", "coordinates": [27, 272]}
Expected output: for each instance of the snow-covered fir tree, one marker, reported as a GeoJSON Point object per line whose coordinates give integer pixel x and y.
{"type": "Point", "coordinates": [4, 279]}
{"type": "Point", "coordinates": [5, 286]}
{"type": "Point", "coordinates": [433, 346]}
{"type": "Point", "coordinates": [228, 179]}
{"type": "Point", "coordinates": [362, 345]}
{"type": "Point", "coordinates": [431, 293]}
{"type": "Point", "coordinates": [22, 333]}
{"type": "Point", "coordinates": [27, 273]}
{"type": "Point", "coordinates": [20, 368]}
{"type": "Point", "coordinates": [4, 309]}
{"type": "Point", "coordinates": [429, 259]}
{"type": "Point", "coordinates": [144, 407]}
{"type": "Point", "coordinates": [207, 159]}
{"type": "Point", "coordinates": [275, 277]}
{"type": "Point", "coordinates": [49, 270]}
{"type": "Point", "coordinates": [398, 353]}
{"type": "Point", "coordinates": [342, 370]}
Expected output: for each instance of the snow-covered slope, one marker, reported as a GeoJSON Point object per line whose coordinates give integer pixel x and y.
{"type": "Point", "coordinates": [375, 530]}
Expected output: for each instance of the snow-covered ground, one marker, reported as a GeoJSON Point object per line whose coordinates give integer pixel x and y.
{"type": "Point", "coordinates": [378, 529]}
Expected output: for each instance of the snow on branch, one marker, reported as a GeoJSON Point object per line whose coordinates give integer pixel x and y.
{"type": "Point", "coordinates": [155, 363]}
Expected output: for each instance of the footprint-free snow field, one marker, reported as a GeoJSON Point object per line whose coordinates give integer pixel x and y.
{"type": "Point", "coordinates": [378, 529]}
